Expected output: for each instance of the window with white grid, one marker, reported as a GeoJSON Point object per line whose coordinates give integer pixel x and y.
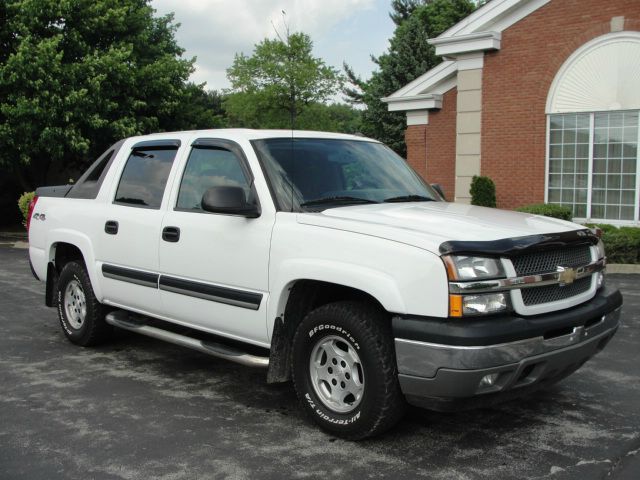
{"type": "Point", "coordinates": [593, 164]}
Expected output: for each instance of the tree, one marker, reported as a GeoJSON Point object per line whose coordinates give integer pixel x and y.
{"type": "Point", "coordinates": [402, 9]}
{"type": "Point", "coordinates": [409, 56]}
{"type": "Point", "coordinates": [336, 117]}
{"type": "Point", "coordinates": [76, 75]}
{"type": "Point", "coordinates": [200, 109]}
{"type": "Point", "coordinates": [278, 82]}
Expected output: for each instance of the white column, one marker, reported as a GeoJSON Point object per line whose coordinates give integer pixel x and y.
{"type": "Point", "coordinates": [468, 123]}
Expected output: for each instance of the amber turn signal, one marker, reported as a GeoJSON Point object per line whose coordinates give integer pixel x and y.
{"type": "Point", "coordinates": [455, 305]}
{"type": "Point", "coordinates": [452, 272]}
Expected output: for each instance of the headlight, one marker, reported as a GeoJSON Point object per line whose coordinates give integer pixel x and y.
{"type": "Point", "coordinates": [600, 249]}
{"type": "Point", "coordinates": [487, 303]}
{"type": "Point", "coordinates": [461, 267]}
{"type": "Point", "coordinates": [478, 304]}
{"type": "Point", "coordinates": [600, 254]}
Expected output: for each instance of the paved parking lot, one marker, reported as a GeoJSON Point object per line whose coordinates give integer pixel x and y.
{"type": "Point", "coordinates": [139, 408]}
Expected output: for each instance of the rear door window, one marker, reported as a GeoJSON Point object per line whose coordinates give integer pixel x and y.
{"type": "Point", "coordinates": [144, 177]}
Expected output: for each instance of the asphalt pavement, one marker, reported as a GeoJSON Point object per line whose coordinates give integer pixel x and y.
{"type": "Point", "coordinates": [142, 409]}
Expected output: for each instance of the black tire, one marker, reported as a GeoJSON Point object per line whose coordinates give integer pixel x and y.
{"type": "Point", "coordinates": [365, 330]}
{"type": "Point", "coordinates": [86, 329]}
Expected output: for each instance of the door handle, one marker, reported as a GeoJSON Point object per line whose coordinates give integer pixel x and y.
{"type": "Point", "coordinates": [171, 234]}
{"type": "Point", "coordinates": [111, 227]}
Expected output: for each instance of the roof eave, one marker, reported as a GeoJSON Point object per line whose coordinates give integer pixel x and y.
{"type": "Point", "coordinates": [473, 42]}
{"type": "Point", "coordinates": [430, 101]}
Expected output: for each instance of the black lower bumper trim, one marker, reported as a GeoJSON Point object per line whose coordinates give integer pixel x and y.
{"type": "Point", "coordinates": [505, 328]}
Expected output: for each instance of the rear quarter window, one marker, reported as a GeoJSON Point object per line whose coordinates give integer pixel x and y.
{"type": "Point", "coordinates": [88, 185]}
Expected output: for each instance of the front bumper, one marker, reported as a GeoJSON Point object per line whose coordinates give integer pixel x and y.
{"type": "Point", "coordinates": [521, 352]}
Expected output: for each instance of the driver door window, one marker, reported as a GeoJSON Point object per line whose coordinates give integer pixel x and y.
{"type": "Point", "coordinates": [206, 168]}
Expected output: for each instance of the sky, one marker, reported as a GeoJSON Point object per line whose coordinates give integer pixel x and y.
{"type": "Point", "coordinates": [214, 30]}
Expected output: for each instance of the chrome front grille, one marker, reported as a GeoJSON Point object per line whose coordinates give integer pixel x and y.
{"type": "Point", "coordinates": [553, 293]}
{"type": "Point", "coordinates": [549, 260]}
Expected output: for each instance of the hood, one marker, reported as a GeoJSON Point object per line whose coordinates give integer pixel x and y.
{"type": "Point", "coordinates": [429, 224]}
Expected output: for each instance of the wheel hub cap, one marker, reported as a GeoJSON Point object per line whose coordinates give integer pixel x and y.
{"type": "Point", "coordinates": [75, 305]}
{"type": "Point", "coordinates": [337, 374]}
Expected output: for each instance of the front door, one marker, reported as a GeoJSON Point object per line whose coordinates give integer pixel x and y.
{"type": "Point", "coordinates": [214, 267]}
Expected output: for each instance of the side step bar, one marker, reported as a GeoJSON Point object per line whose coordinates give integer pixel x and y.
{"type": "Point", "coordinates": [121, 319]}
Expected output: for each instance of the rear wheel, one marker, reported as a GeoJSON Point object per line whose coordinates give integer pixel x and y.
{"type": "Point", "coordinates": [344, 370]}
{"type": "Point", "coordinates": [81, 315]}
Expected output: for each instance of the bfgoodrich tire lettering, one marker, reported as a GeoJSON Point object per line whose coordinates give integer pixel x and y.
{"type": "Point", "coordinates": [362, 398]}
{"type": "Point", "coordinates": [81, 315]}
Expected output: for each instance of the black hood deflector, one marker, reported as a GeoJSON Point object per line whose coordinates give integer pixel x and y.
{"type": "Point", "coordinates": [510, 247]}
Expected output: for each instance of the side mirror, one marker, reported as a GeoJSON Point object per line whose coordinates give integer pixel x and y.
{"type": "Point", "coordinates": [229, 200]}
{"type": "Point", "coordinates": [438, 188]}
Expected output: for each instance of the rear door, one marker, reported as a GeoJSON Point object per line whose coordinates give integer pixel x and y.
{"type": "Point", "coordinates": [214, 267]}
{"type": "Point", "coordinates": [128, 246]}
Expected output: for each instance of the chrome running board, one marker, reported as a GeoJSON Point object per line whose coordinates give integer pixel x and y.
{"type": "Point", "coordinates": [122, 319]}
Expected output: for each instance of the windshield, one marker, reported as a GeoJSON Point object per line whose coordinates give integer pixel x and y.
{"type": "Point", "coordinates": [314, 174]}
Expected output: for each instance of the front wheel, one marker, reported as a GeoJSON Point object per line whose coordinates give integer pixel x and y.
{"type": "Point", "coordinates": [81, 315]}
{"type": "Point", "coordinates": [344, 370]}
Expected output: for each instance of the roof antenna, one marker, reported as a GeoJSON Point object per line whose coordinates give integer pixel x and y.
{"type": "Point", "coordinates": [292, 93]}
{"type": "Point", "coordinates": [292, 97]}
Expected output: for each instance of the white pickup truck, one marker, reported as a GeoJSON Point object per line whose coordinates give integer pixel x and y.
{"type": "Point", "coordinates": [327, 260]}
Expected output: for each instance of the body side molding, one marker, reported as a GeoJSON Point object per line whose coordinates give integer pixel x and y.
{"type": "Point", "coordinates": [229, 296]}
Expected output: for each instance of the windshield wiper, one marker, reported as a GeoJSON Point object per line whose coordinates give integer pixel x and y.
{"type": "Point", "coordinates": [409, 198]}
{"type": "Point", "coordinates": [340, 199]}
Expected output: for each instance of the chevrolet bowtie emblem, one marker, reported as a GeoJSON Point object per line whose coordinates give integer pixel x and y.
{"type": "Point", "coordinates": [566, 275]}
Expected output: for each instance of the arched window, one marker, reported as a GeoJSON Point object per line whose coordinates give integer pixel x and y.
{"type": "Point", "coordinates": [593, 162]}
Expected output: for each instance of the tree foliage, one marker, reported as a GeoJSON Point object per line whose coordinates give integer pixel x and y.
{"type": "Point", "coordinates": [409, 56]}
{"type": "Point", "coordinates": [200, 108]}
{"type": "Point", "coordinates": [402, 9]}
{"type": "Point", "coordinates": [76, 75]}
{"type": "Point", "coordinates": [281, 80]}
{"type": "Point", "coordinates": [334, 117]}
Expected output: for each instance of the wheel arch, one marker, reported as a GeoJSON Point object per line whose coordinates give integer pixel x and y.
{"type": "Point", "coordinates": [60, 253]}
{"type": "Point", "coordinates": [300, 297]}
{"type": "Point", "coordinates": [66, 246]}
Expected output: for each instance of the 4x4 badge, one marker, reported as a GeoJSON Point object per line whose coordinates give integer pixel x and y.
{"type": "Point", "coordinates": [566, 275]}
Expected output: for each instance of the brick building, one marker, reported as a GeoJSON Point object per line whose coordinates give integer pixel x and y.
{"type": "Point", "coordinates": [543, 96]}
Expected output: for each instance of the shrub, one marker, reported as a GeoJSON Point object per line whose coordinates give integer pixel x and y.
{"type": "Point", "coordinates": [483, 191]}
{"type": "Point", "coordinates": [23, 205]}
{"type": "Point", "coordinates": [548, 210]}
{"type": "Point", "coordinates": [605, 227]}
{"type": "Point", "coordinates": [622, 245]}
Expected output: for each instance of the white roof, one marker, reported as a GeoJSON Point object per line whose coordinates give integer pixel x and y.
{"type": "Point", "coordinates": [249, 134]}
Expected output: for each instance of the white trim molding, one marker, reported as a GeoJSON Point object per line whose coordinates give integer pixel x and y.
{"type": "Point", "coordinates": [497, 15]}
{"type": "Point", "coordinates": [601, 75]}
{"type": "Point", "coordinates": [427, 82]}
{"type": "Point", "coordinates": [470, 61]}
{"type": "Point", "coordinates": [472, 42]}
{"type": "Point", "coordinates": [416, 102]}
{"type": "Point", "coordinates": [418, 117]}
